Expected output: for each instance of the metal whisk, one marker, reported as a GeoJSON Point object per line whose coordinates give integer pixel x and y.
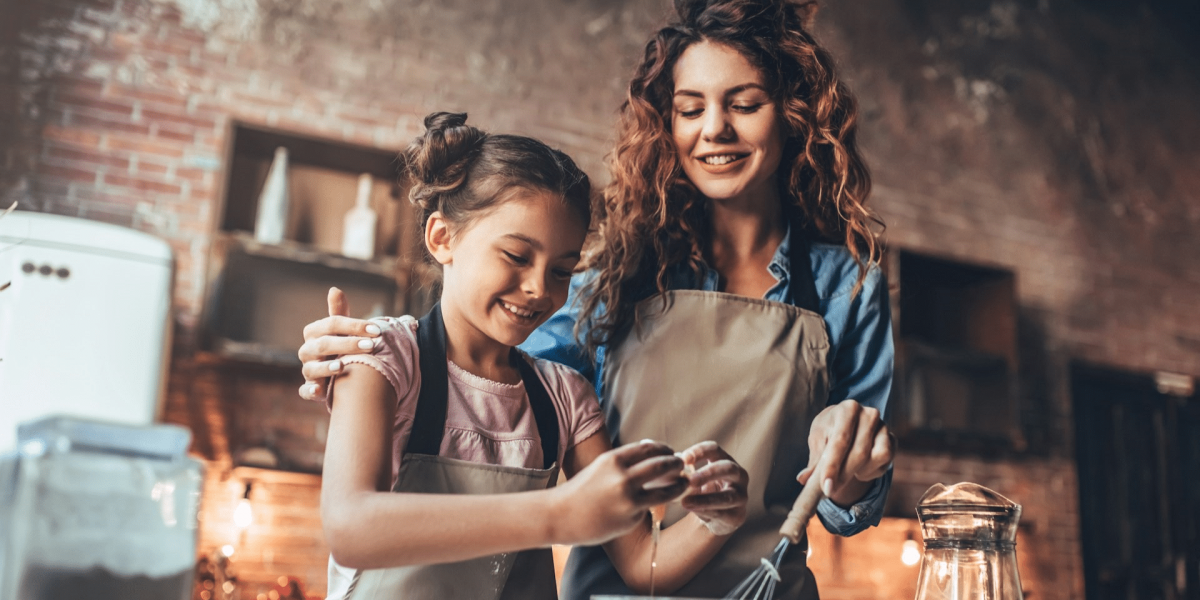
{"type": "Point", "coordinates": [760, 585]}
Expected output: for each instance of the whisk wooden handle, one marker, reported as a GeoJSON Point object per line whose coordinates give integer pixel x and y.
{"type": "Point", "coordinates": [802, 510]}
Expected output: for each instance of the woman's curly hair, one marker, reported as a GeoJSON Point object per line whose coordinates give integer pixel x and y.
{"type": "Point", "coordinates": [653, 219]}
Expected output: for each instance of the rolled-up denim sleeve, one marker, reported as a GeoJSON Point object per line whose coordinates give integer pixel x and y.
{"type": "Point", "coordinates": [555, 339]}
{"type": "Point", "coordinates": [860, 327]}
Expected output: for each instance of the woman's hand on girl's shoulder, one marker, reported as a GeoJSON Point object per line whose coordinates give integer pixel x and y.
{"type": "Point", "coordinates": [327, 340]}
{"type": "Point", "coordinates": [717, 487]}
{"type": "Point", "coordinates": [610, 496]}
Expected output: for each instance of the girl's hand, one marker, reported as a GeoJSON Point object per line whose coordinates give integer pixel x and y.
{"type": "Point", "coordinates": [849, 446]}
{"type": "Point", "coordinates": [609, 497]}
{"type": "Point", "coordinates": [330, 338]}
{"type": "Point", "coordinates": [716, 489]}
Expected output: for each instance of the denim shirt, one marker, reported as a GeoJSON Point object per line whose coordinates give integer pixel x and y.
{"type": "Point", "coordinates": [860, 348]}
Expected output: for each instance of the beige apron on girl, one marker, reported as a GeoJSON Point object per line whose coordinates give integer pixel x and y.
{"type": "Point", "coordinates": [747, 373]}
{"type": "Point", "coordinates": [511, 576]}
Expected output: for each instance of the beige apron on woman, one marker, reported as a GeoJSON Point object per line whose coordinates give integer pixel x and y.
{"type": "Point", "coordinates": [510, 576]}
{"type": "Point", "coordinates": [747, 373]}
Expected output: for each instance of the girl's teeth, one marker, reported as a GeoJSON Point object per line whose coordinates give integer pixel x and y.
{"type": "Point", "coordinates": [516, 311]}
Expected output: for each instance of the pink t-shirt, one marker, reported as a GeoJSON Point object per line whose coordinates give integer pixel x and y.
{"type": "Point", "coordinates": [486, 421]}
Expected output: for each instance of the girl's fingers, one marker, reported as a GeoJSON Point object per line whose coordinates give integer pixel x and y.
{"type": "Point", "coordinates": [659, 469]}
{"type": "Point", "coordinates": [630, 455]}
{"type": "Point", "coordinates": [660, 495]}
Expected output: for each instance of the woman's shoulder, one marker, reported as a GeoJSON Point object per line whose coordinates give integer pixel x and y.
{"type": "Point", "coordinates": [835, 272]}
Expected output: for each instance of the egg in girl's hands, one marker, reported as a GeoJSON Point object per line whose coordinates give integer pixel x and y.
{"type": "Point", "coordinates": [671, 478]}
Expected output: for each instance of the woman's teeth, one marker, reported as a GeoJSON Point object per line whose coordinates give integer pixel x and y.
{"type": "Point", "coordinates": [722, 159]}
{"type": "Point", "coordinates": [516, 310]}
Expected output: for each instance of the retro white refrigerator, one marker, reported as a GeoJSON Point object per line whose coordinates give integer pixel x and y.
{"type": "Point", "coordinates": [84, 321]}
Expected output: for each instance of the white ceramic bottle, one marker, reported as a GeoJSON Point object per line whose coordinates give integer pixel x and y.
{"type": "Point", "coordinates": [273, 202]}
{"type": "Point", "coordinates": [358, 234]}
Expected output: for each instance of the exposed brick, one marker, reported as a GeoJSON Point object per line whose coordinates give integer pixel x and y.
{"type": "Point", "coordinates": [104, 122]}
{"type": "Point", "coordinates": [86, 156]}
{"type": "Point", "coordinates": [146, 95]}
{"type": "Point", "coordinates": [79, 174]}
{"type": "Point", "coordinates": [145, 145]}
{"type": "Point", "coordinates": [141, 183]}
{"type": "Point", "coordinates": [77, 137]}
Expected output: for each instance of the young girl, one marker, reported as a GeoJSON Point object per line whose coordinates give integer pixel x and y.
{"type": "Point", "coordinates": [444, 444]}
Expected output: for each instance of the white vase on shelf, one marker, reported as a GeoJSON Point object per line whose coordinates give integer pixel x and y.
{"type": "Point", "coordinates": [273, 201]}
{"type": "Point", "coordinates": [358, 232]}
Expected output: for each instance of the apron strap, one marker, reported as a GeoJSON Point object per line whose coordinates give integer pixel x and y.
{"type": "Point", "coordinates": [801, 283]}
{"type": "Point", "coordinates": [543, 409]}
{"type": "Point", "coordinates": [429, 423]}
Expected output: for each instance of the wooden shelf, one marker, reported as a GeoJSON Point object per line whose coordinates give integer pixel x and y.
{"type": "Point", "coordinates": [307, 254]}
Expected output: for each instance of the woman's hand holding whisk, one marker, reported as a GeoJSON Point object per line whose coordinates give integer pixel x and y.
{"type": "Point", "coordinates": [849, 446]}
{"type": "Point", "coordinates": [716, 488]}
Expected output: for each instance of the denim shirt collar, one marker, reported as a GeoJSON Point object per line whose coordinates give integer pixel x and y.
{"type": "Point", "coordinates": [779, 268]}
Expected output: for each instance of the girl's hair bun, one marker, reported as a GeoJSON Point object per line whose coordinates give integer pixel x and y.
{"type": "Point", "coordinates": [438, 161]}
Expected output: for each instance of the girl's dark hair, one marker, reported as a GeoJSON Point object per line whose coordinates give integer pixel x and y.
{"type": "Point", "coordinates": [652, 218]}
{"type": "Point", "coordinates": [462, 171]}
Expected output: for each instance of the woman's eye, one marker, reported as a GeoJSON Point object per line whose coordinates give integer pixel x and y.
{"type": "Point", "coordinates": [690, 114]}
{"type": "Point", "coordinates": [746, 108]}
{"type": "Point", "coordinates": [516, 258]}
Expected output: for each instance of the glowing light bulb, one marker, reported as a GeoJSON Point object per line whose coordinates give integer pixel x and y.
{"type": "Point", "coordinates": [227, 550]}
{"type": "Point", "coordinates": [243, 515]}
{"type": "Point", "coordinates": [910, 554]}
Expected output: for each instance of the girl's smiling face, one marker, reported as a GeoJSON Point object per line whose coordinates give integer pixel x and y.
{"type": "Point", "coordinates": [725, 124]}
{"type": "Point", "coordinates": [508, 270]}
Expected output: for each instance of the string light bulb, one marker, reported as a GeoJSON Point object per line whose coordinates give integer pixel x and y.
{"type": "Point", "coordinates": [243, 514]}
{"type": "Point", "coordinates": [910, 552]}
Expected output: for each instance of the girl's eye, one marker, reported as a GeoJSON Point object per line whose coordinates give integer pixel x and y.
{"type": "Point", "coordinates": [690, 114]}
{"type": "Point", "coordinates": [516, 258]}
{"type": "Point", "coordinates": [746, 108]}
{"type": "Point", "coordinates": [561, 274]}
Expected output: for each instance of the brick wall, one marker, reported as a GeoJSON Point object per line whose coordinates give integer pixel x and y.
{"type": "Point", "coordinates": [993, 132]}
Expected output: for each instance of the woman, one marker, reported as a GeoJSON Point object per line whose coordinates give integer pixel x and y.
{"type": "Point", "coordinates": [734, 292]}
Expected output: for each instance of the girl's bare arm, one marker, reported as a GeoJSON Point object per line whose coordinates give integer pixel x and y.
{"type": "Point", "coordinates": [368, 526]}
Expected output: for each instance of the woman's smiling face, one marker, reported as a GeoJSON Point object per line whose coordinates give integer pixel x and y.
{"type": "Point", "coordinates": [725, 124]}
